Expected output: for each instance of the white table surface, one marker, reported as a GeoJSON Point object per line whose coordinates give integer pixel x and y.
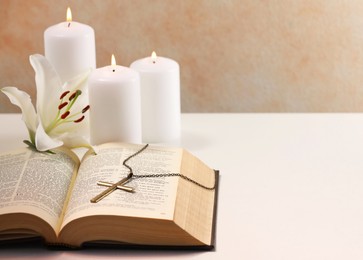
{"type": "Point", "coordinates": [291, 186]}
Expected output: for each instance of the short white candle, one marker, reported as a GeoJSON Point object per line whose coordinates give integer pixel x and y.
{"type": "Point", "coordinates": [70, 47]}
{"type": "Point", "coordinates": [114, 99]}
{"type": "Point", "coordinates": [160, 99]}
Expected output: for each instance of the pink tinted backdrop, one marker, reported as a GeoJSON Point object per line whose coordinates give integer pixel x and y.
{"type": "Point", "coordinates": [235, 56]}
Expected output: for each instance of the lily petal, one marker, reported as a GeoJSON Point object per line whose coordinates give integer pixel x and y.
{"type": "Point", "coordinates": [77, 82]}
{"type": "Point", "coordinates": [49, 87]}
{"type": "Point", "coordinates": [23, 101]}
{"type": "Point", "coordinates": [80, 129]}
{"type": "Point", "coordinates": [75, 141]}
{"type": "Point", "coordinates": [44, 142]}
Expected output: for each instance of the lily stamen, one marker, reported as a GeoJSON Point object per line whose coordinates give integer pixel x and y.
{"type": "Point", "coordinates": [84, 110]}
{"type": "Point", "coordinates": [73, 98]}
{"type": "Point", "coordinates": [79, 120]}
{"type": "Point", "coordinates": [62, 105]}
{"type": "Point", "coordinates": [75, 94]}
{"type": "Point", "coordinates": [64, 116]}
{"type": "Point", "coordinates": [64, 94]}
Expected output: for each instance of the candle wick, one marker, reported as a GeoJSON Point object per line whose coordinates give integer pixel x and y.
{"type": "Point", "coordinates": [113, 70]}
{"type": "Point", "coordinates": [69, 24]}
{"type": "Point", "coordinates": [153, 61]}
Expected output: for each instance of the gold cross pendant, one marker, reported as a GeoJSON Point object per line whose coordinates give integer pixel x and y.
{"type": "Point", "coordinates": [119, 187]}
{"type": "Point", "coordinates": [111, 188]}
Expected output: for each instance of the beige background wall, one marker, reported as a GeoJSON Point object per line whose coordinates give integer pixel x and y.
{"type": "Point", "coordinates": [235, 55]}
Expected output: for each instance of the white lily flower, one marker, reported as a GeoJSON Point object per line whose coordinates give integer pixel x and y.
{"type": "Point", "coordinates": [60, 115]}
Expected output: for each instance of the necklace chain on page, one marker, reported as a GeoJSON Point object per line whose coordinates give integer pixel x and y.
{"type": "Point", "coordinates": [132, 175]}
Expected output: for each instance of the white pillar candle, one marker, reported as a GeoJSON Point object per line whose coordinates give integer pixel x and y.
{"type": "Point", "coordinates": [160, 99]}
{"type": "Point", "coordinates": [70, 47]}
{"type": "Point", "coordinates": [115, 109]}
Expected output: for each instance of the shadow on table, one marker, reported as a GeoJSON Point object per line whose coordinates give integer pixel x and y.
{"type": "Point", "coordinates": [35, 247]}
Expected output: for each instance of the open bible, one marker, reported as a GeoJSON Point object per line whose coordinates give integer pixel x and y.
{"type": "Point", "coordinates": [48, 195]}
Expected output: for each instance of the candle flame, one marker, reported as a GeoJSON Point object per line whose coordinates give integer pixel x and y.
{"type": "Point", "coordinates": [113, 60]}
{"type": "Point", "coordinates": [69, 15]}
{"type": "Point", "coordinates": [153, 57]}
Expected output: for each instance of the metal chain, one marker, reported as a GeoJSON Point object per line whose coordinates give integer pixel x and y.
{"type": "Point", "coordinates": [132, 175]}
{"type": "Point", "coordinates": [131, 156]}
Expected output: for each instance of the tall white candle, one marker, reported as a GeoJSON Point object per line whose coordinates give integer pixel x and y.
{"type": "Point", "coordinates": [114, 98]}
{"type": "Point", "coordinates": [70, 47]}
{"type": "Point", "coordinates": [160, 99]}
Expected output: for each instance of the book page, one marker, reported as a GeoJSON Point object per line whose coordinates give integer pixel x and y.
{"type": "Point", "coordinates": [36, 183]}
{"type": "Point", "coordinates": [195, 205]}
{"type": "Point", "coordinates": [153, 197]}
